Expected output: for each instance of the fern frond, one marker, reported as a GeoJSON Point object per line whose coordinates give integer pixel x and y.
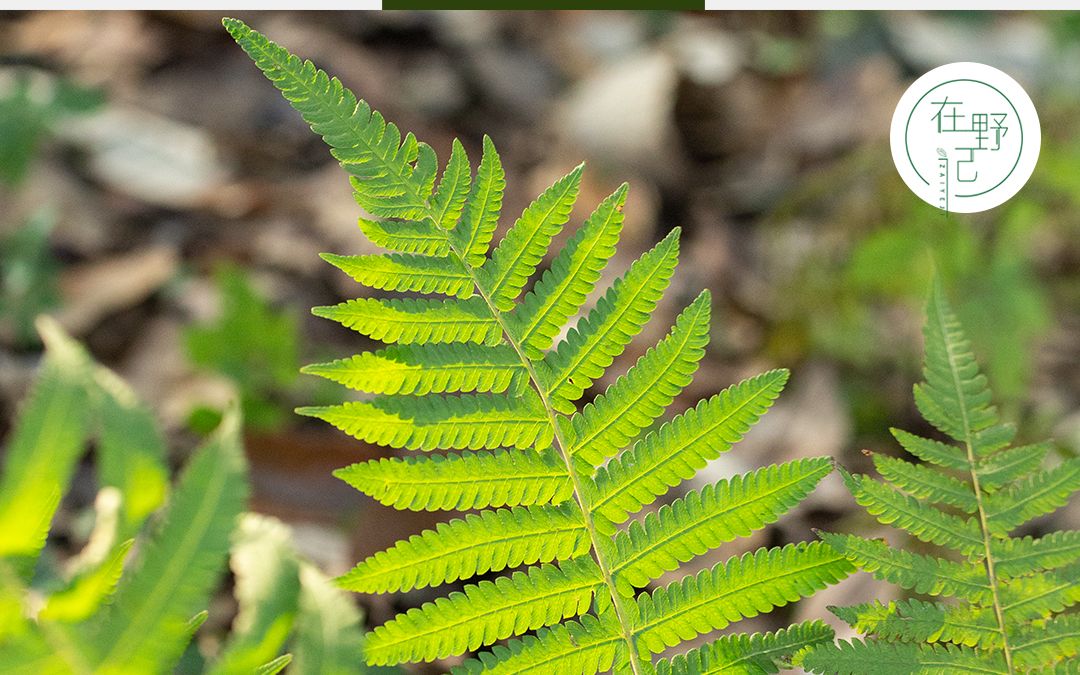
{"type": "Point", "coordinates": [405, 272]}
{"type": "Point", "coordinates": [604, 332]}
{"type": "Point", "coordinates": [586, 646]}
{"type": "Point", "coordinates": [742, 587]}
{"type": "Point", "coordinates": [563, 288]}
{"type": "Point", "coordinates": [1008, 588]}
{"type": "Point", "coordinates": [706, 518]}
{"type": "Point", "coordinates": [859, 657]}
{"type": "Point", "coordinates": [955, 397]}
{"type": "Point", "coordinates": [472, 235]}
{"type": "Point", "coordinates": [487, 612]}
{"type": "Point", "coordinates": [463, 548]}
{"type": "Point", "coordinates": [617, 416]}
{"type": "Point", "coordinates": [463, 481]}
{"type": "Point", "coordinates": [499, 378]}
{"type": "Point", "coordinates": [396, 174]}
{"type": "Point", "coordinates": [416, 320]}
{"type": "Point", "coordinates": [428, 369]}
{"type": "Point", "coordinates": [757, 653]}
{"type": "Point", "coordinates": [681, 447]}
{"type": "Point", "coordinates": [521, 250]}
{"type": "Point", "coordinates": [451, 422]}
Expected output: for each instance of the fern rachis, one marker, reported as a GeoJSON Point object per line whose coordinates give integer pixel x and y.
{"type": "Point", "coordinates": [1008, 592]}
{"type": "Point", "coordinates": [481, 377]}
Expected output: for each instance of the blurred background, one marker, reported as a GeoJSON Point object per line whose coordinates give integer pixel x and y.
{"type": "Point", "coordinates": [160, 198]}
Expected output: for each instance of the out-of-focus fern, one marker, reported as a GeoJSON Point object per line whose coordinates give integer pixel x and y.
{"type": "Point", "coordinates": [96, 616]}
{"type": "Point", "coordinates": [1008, 593]}
{"type": "Point", "coordinates": [253, 345]}
{"type": "Point", "coordinates": [27, 278]}
{"type": "Point", "coordinates": [491, 379]}
{"type": "Point", "coordinates": [31, 103]}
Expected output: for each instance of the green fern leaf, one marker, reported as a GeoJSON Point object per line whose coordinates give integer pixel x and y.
{"type": "Point", "coordinates": [472, 235]}
{"type": "Point", "coordinates": [859, 657]}
{"type": "Point", "coordinates": [604, 333]}
{"type": "Point", "coordinates": [1010, 465]}
{"type": "Point", "coordinates": [131, 453]}
{"type": "Point", "coordinates": [478, 544]}
{"type": "Point", "coordinates": [482, 614]}
{"type": "Point", "coordinates": [462, 481]}
{"type": "Point", "coordinates": [428, 369]}
{"type": "Point", "coordinates": [45, 445]}
{"type": "Point", "coordinates": [328, 638]}
{"type": "Point", "coordinates": [416, 320]}
{"type": "Point", "coordinates": [934, 452]}
{"type": "Point", "coordinates": [925, 483]}
{"type": "Point", "coordinates": [892, 507]}
{"type": "Point", "coordinates": [681, 447]}
{"type": "Point", "coordinates": [521, 250]}
{"type": "Point", "coordinates": [741, 587]}
{"type": "Point", "coordinates": [706, 518]}
{"type": "Point", "coordinates": [181, 563]}
{"type": "Point", "coordinates": [617, 416]}
{"type": "Point", "coordinates": [747, 654]}
{"type": "Point", "coordinates": [582, 647]}
{"type": "Point", "coordinates": [267, 592]}
{"type": "Point", "coordinates": [563, 288]}
{"type": "Point", "coordinates": [88, 591]}
{"type": "Point", "coordinates": [401, 236]}
{"type": "Point", "coordinates": [405, 272]}
{"type": "Point", "coordinates": [449, 199]}
{"type": "Point", "coordinates": [1016, 557]}
{"type": "Point", "coordinates": [394, 174]}
{"type": "Point", "coordinates": [452, 422]}
{"type": "Point", "coordinates": [498, 378]}
{"type": "Point", "coordinates": [1008, 588]}
{"type": "Point", "coordinates": [1056, 641]}
{"type": "Point", "coordinates": [1036, 496]}
{"type": "Point", "coordinates": [915, 620]}
{"type": "Point", "coordinates": [920, 573]}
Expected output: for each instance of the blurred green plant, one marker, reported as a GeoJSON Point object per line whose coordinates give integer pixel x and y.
{"type": "Point", "coordinates": [252, 344]}
{"type": "Point", "coordinates": [100, 611]}
{"type": "Point", "coordinates": [869, 264]}
{"type": "Point", "coordinates": [28, 272]}
{"type": "Point", "coordinates": [31, 103]}
{"type": "Point", "coordinates": [1008, 596]}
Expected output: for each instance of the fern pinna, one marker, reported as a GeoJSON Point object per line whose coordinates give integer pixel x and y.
{"type": "Point", "coordinates": [1008, 591]}
{"type": "Point", "coordinates": [488, 379]}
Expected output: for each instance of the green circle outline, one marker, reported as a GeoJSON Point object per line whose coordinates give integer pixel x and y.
{"type": "Point", "coordinates": [1019, 154]}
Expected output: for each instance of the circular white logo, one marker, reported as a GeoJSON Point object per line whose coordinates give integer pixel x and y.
{"type": "Point", "coordinates": [965, 137]}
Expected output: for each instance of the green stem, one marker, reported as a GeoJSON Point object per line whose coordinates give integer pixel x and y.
{"type": "Point", "coordinates": [991, 575]}
{"type": "Point", "coordinates": [561, 445]}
